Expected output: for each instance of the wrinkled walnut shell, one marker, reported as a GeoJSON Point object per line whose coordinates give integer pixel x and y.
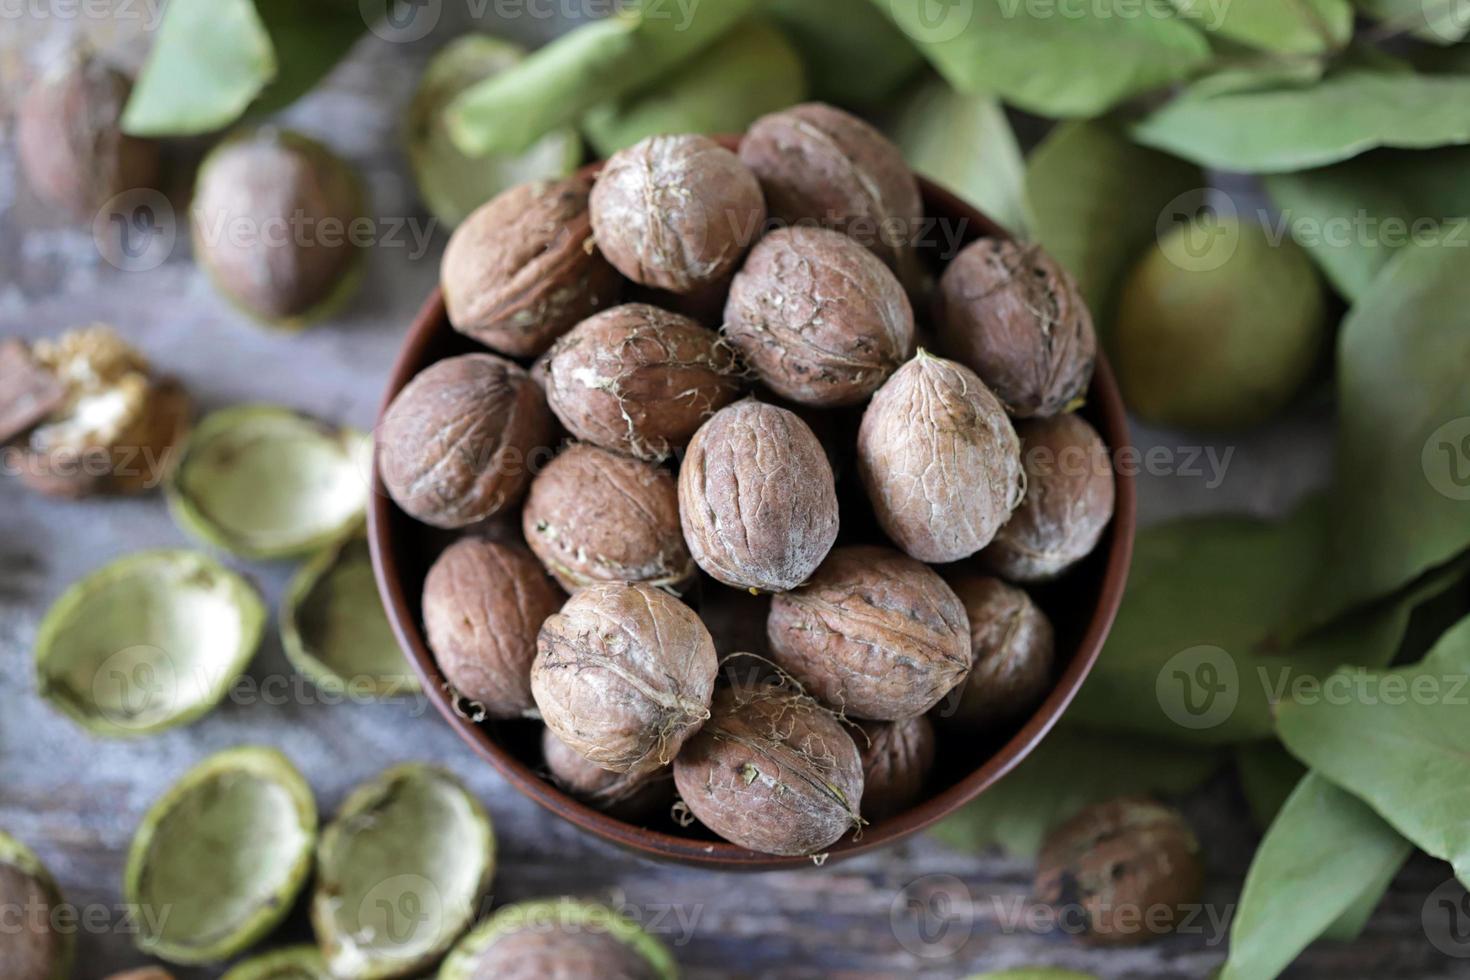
{"type": "Point", "coordinates": [639, 380]}
{"type": "Point", "coordinates": [521, 270]}
{"type": "Point", "coordinates": [1014, 650]}
{"type": "Point", "coordinates": [1129, 866]}
{"type": "Point", "coordinates": [70, 141]}
{"type": "Point", "coordinates": [1068, 503]}
{"type": "Point", "coordinates": [596, 516]}
{"type": "Point", "coordinates": [757, 499]}
{"type": "Point", "coordinates": [459, 442]}
{"type": "Point", "coordinates": [484, 604]}
{"type": "Point", "coordinates": [623, 675]}
{"type": "Point", "coordinates": [874, 634]}
{"type": "Point", "coordinates": [897, 759]}
{"type": "Point", "coordinates": [1016, 318]}
{"type": "Point", "coordinates": [820, 164]}
{"type": "Point", "coordinates": [939, 459]}
{"type": "Point", "coordinates": [772, 771]}
{"type": "Point", "coordinates": [676, 212]}
{"type": "Point", "coordinates": [631, 798]}
{"type": "Point", "coordinates": [819, 318]}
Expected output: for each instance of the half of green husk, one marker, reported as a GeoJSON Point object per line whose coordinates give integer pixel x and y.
{"type": "Point", "coordinates": [151, 641]}
{"type": "Point", "coordinates": [264, 482]}
{"type": "Point", "coordinates": [219, 859]}
{"type": "Point", "coordinates": [556, 913]}
{"type": "Point", "coordinates": [291, 963]}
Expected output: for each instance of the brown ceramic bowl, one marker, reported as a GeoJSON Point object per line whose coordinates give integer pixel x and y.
{"type": "Point", "coordinates": [1082, 606]}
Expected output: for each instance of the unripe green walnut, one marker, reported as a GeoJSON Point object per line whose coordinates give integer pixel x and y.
{"type": "Point", "coordinates": [1218, 327]}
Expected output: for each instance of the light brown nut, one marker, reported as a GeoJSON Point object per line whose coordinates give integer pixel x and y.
{"type": "Point", "coordinates": [521, 270]}
{"type": "Point", "coordinates": [546, 949]}
{"type": "Point", "coordinates": [1014, 651]}
{"type": "Point", "coordinates": [28, 391]}
{"type": "Point", "coordinates": [898, 757]}
{"type": "Point", "coordinates": [1126, 870]}
{"type": "Point", "coordinates": [820, 164]}
{"type": "Point", "coordinates": [459, 442]}
{"type": "Point", "coordinates": [596, 516]}
{"type": "Point", "coordinates": [631, 798]}
{"type": "Point", "coordinates": [623, 675]}
{"type": "Point", "coordinates": [757, 498]}
{"type": "Point", "coordinates": [676, 212]}
{"type": "Point", "coordinates": [484, 604]}
{"type": "Point", "coordinates": [1068, 504]}
{"type": "Point", "coordinates": [272, 222]}
{"type": "Point", "coordinates": [639, 380]}
{"type": "Point", "coordinates": [939, 459]}
{"type": "Point", "coordinates": [70, 142]}
{"type": "Point", "coordinates": [819, 318]}
{"type": "Point", "coordinates": [772, 771]}
{"type": "Point", "coordinates": [874, 634]}
{"type": "Point", "coordinates": [1016, 318]}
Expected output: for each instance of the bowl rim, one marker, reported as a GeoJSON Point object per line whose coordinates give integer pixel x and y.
{"type": "Point", "coordinates": [1112, 423]}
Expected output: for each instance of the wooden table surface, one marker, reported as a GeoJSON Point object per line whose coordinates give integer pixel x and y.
{"type": "Point", "coordinates": [919, 910]}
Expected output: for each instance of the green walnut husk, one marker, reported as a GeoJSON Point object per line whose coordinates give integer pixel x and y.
{"type": "Point", "coordinates": [151, 641]}
{"type": "Point", "coordinates": [334, 629]}
{"type": "Point", "coordinates": [265, 482]}
{"type": "Point", "coordinates": [291, 963]}
{"type": "Point", "coordinates": [544, 918]}
{"type": "Point", "coordinates": [450, 183]}
{"type": "Point", "coordinates": [400, 873]}
{"type": "Point", "coordinates": [21, 957]}
{"type": "Point", "coordinates": [218, 861]}
{"type": "Point", "coordinates": [1219, 327]}
{"type": "Point", "coordinates": [751, 71]}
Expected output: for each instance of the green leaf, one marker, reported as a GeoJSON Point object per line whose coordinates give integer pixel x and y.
{"type": "Point", "coordinates": [1073, 61]}
{"type": "Point", "coordinates": [965, 143]}
{"type": "Point", "coordinates": [751, 71]}
{"type": "Point", "coordinates": [1268, 774]}
{"type": "Point", "coordinates": [1400, 741]}
{"type": "Point", "coordinates": [1354, 216]}
{"type": "Point", "coordinates": [1196, 655]}
{"type": "Point", "coordinates": [1097, 198]}
{"type": "Point", "coordinates": [310, 38]}
{"type": "Point", "coordinates": [1402, 504]}
{"type": "Point", "coordinates": [1326, 855]}
{"type": "Point", "coordinates": [209, 61]}
{"type": "Point", "coordinates": [1436, 21]}
{"type": "Point", "coordinates": [1285, 26]}
{"type": "Point", "coordinates": [1295, 128]}
{"type": "Point", "coordinates": [592, 64]}
{"type": "Point", "coordinates": [854, 55]}
{"type": "Point", "coordinates": [1068, 771]}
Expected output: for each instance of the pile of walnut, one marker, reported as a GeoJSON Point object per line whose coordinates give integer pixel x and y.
{"type": "Point", "coordinates": [807, 452]}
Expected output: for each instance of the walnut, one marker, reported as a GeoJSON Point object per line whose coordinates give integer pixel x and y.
{"type": "Point", "coordinates": [757, 498]}
{"type": "Point", "coordinates": [820, 164]}
{"type": "Point", "coordinates": [940, 460]}
{"type": "Point", "coordinates": [676, 212]}
{"type": "Point", "coordinates": [639, 380]}
{"type": "Point", "coordinates": [1016, 318]}
{"type": "Point", "coordinates": [596, 516]}
{"type": "Point", "coordinates": [458, 443]}
{"type": "Point", "coordinates": [1014, 652]}
{"type": "Point", "coordinates": [772, 771]}
{"type": "Point", "coordinates": [623, 675]}
{"type": "Point", "coordinates": [484, 603]}
{"type": "Point", "coordinates": [635, 799]}
{"type": "Point", "coordinates": [898, 757]}
{"type": "Point", "coordinates": [819, 318]}
{"type": "Point", "coordinates": [521, 270]}
{"type": "Point", "coordinates": [1068, 503]}
{"type": "Point", "coordinates": [874, 634]}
